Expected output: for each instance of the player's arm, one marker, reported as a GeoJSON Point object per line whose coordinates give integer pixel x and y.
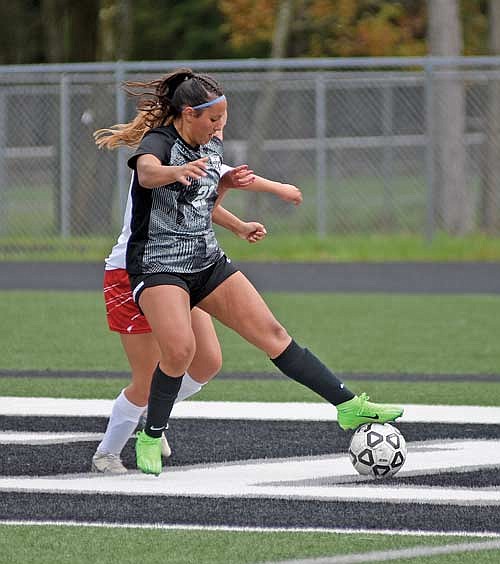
{"type": "Point", "coordinates": [251, 231]}
{"type": "Point", "coordinates": [286, 192]}
{"type": "Point", "coordinates": [242, 178]}
{"type": "Point", "coordinates": [151, 173]}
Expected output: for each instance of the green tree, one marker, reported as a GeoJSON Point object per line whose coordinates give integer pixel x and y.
{"type": "Point", "coordinates": [179, 29]}
{"type": "Point", "coordinates": [322, 28]}
{"type": "Point", "coordinates": [20, 30]}
{"type": "Point", "coordinates": [69, 30]}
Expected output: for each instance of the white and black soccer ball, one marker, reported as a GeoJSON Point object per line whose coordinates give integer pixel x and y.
{"type": "Point", "coordinates": [377, 450]}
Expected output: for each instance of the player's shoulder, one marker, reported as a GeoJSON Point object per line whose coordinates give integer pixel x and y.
{"type": "Point", "coordinates": [165, 132]}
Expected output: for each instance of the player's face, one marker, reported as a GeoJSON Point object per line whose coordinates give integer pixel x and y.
{"type": "Point", "coordinates": [209, 122]}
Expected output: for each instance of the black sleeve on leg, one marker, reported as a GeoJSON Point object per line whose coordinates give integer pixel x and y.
{"type": "Point", "coordinates": [304, 367]}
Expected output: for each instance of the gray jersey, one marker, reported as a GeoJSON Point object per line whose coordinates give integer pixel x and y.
{"type": "Point", "coordinates": [171, 226]}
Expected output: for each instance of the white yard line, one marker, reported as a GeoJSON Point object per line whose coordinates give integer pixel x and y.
{"type": "Point", "coordinates": [36, 438]}
{"type": "Point", "coordinates": [398, 554]}
{"type": "Point", "coordinates": [270, 411]}
{"type": "Point", "coordinates": [231, 529]}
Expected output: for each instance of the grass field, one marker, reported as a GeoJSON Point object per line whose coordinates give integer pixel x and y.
{"type": "Point", "coordinates": [81, 545]}
{"type": "Point", "coordinates": [351, 333]}
{"type": "Point", "coordinates": [439, 334]}
{"type": "Point", "coordinates": [445, 393]}
{"type": "Point", "coordinates": [279, 246]}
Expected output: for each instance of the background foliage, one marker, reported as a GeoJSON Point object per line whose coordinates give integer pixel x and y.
{"type": "Point", "coordinates": [50, 31]}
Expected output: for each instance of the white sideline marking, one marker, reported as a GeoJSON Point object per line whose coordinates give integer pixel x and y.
{"type": "Point", "coordinates": [328, 477]}
{"type": "Point", "coordinates": [270, 411]}
{"type": "Point", "coordinates": [397, 554]}
{"type": "Point", "coordinates": [231, 529]}
{"type": "Point", "coordinates": [36, 438]}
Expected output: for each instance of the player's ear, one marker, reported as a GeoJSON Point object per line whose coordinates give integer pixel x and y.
{"type": "Point", "coordinates": [188, 114]}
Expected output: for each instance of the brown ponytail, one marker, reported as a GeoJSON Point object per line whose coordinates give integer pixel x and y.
{"type": "Point", "coordinates": [160, 101]}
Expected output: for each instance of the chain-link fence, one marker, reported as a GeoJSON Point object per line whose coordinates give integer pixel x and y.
{"type": "Point", "coordinates": [376, 145]}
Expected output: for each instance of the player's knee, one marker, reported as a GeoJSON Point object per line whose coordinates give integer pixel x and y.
{"type": "Point", "coordinates": [277, 339]}
{"type": "Point", "coordinates": [211, 366]}
{"type": "Point", "coordinates": [278, 333]}
{"type": "Point", "coordinates": [206, 364]}
{"type": "Point", "coordinates": [176, 359]}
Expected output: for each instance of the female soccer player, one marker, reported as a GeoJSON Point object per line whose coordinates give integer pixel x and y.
{"type": "Point", "coordinates": [175, 263]}
{"type": "Point", "coordinates": [140, 347]}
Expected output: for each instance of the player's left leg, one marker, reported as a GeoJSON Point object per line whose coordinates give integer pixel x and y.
{"type": "Point", "coordinates": [237, 304]}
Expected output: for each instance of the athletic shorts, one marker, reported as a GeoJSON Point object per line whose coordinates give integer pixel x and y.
{"type": "Point", "coordinates": [197, 284]}
{"type": "Point", "coordinates": [122, 312]}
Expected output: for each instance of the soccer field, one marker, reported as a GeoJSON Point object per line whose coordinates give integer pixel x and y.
{"type": "Point", "coordinates": [256, 482]}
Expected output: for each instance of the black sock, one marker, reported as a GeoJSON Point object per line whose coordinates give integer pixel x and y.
{"type": "Point", "coordinates": [164, 390]}
{"type": "Point", "coordinates": [304, 367]}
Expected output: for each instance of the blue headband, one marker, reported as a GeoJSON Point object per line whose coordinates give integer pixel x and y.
{"type": "Point", "coordinates": [209, 103]}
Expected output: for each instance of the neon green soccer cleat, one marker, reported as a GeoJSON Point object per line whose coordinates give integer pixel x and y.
{"type": "Point", "coordinates": [358, 410]}
{"type": "Point", "coordinates": [148, 453]}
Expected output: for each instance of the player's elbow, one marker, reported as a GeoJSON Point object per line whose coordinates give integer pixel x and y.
{"type": "Point", "coordinates": [146, 177]}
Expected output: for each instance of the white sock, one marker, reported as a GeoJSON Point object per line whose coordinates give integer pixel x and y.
{"type": "Point", "coordinates": [122, 423]}
{"type": "Point", "coordinates": [189, 387]}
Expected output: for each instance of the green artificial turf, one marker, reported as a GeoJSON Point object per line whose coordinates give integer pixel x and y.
{"type": "Point", "coordinates": [81, 545]}
{"type": "Point", "coordinates": [349, 332]}
{"type": "Point", "coordinates": [446, 393]}
{"type": "Point", "coordinates": [279, 246]}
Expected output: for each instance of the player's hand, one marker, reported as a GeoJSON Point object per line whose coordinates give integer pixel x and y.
{"type": "Point", "coordinates": [251, 231]}
{"type": "Point", "coordinates": [238, 177]}
{"type": "Point", "coordinates": [290, 193]}
{"type": "Point", "coordinates": [188, 172]}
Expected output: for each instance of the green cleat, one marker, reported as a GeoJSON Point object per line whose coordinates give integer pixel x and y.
{"type": "Point", "coordinates": [358, 410]}
{"type": "Point", "coordinates": [148, 453]}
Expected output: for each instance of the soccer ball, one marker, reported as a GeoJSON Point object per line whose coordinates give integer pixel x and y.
{"type": "Point", "coordinates": [377, 450]}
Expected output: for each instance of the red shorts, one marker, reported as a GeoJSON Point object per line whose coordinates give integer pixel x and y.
{"type": "Point", "coordinates": [121, 311]}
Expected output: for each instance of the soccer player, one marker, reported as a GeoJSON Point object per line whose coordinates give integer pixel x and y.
{"type": "Point", "coordinates": [175, 263]}
{"type": "Point", "coordinates": [140, 347]}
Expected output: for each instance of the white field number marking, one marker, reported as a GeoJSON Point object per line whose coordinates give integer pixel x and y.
{"type": "Point", "coordinates": [324, 477]}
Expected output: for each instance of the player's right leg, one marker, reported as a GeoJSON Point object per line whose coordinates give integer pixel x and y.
{"type": "Point", "coordinates": [206, 363]}
{"type": "Point", "coordinates": [166, 306]}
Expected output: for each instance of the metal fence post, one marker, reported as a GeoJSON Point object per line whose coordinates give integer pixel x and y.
{"type": "Point", "coordinates": [3, 163]}
{"type": "Point", "coordinates": [429, 151]}
{"type": "Point", "coordinates": [121, 117]}
{"type": "Point", "coordinates": [388, 153]}
{"type": "Point", "coordinates": [321, 149]}
{"type": "Point", "coordinates": [65, 154]}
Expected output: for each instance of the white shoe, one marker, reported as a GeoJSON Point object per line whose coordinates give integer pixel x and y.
{"type": "Point", "coordinates": [166, 451]}
{"type": "Point", "coordinates": [107, 463]}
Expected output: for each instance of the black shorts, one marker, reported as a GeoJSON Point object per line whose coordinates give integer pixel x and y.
{"type": "Point", "coordinates": [197, 284]}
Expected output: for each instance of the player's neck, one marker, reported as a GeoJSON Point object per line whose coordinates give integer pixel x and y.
{"type": "Point", "coordinates": [183, 132]}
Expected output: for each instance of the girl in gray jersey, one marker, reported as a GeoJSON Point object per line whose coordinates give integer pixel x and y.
{"type": "Point", "coordinates": [175, 263]}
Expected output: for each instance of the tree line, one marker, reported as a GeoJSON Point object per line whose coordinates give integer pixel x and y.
{"type": "Point", "coordinates": [63, 31]}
